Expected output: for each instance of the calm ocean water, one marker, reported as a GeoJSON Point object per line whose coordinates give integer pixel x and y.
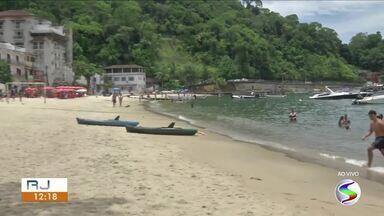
{"type": "Point", "coordinates": [265, 121]}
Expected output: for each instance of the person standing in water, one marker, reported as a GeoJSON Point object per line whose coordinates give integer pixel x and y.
{"type": "Point", "coordinates": [293, 116]}
{"type": "Point", "coordinates": [344, 122]}
{"type": "Point", "coordinates": [377, 127]}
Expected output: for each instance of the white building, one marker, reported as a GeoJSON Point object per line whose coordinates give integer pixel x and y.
{"type": "Point", "coordinates": [20, 62]}
{"type": "Point", "coordinates": [50, 45]}
{"type": "Point", "coordinates": [130, 78]}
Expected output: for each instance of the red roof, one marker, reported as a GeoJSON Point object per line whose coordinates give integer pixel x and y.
{"type": "Point", "coordinates": [14, 14]}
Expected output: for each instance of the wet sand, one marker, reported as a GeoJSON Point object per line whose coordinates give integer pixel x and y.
{"type": "Point", "coordinates": [111, 172]}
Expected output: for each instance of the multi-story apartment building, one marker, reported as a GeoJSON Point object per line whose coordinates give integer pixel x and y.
{"type": "Point", "coordinates": [21, 63]}
{"type": "Point", "coordinates": [130, 78]}
{"type": "Point", "coordinates": [50, 45]}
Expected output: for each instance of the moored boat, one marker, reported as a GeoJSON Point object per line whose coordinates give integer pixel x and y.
{"type": "Point", "coordinates": [111, 122]}
{"type": "Point", "coordinates": [371, 99]}
{"type": "Point", "coordinates": [243, 96]}
{"type": "Point", "coordinates": [332, 95]}
{"type": "Point", "coordinates": [162, 130]}
{"type": "Point", "coordinates": [275, 96]}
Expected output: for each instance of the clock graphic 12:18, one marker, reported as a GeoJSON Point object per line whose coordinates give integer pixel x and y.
{"type": "Point", "coordinates": [47, 196]}
{"type": "Point", "coordinates": [44, 190]}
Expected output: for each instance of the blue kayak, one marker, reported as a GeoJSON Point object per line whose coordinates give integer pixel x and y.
{"type": "Point", "coordinates": [111, 122]}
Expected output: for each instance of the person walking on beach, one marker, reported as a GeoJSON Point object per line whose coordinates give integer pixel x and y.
{"type": "Point", "coordinates": [114, 99]}
{"type": "Point", "coordinates": [293, 116]}
{"type": "Point", "coordinates": [377, 127]}
{"type": "Point", "coordinates": [120, 99]}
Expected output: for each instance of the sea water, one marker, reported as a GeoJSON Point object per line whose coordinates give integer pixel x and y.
{"type": "Point", "coordinates": [265, 121]}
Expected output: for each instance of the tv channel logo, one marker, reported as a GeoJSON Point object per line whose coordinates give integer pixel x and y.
{"type": "Point", "coordinates": [348, 192]}
{"type": "Point", "coordinates": [44, 190]}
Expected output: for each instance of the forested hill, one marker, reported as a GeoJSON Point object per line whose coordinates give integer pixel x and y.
{"type": "Point", "coordinates": [190, 41]}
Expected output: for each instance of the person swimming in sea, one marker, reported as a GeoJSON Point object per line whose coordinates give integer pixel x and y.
{"type": "Point", "coordinates": [377, 127]}
{"type": "Point", "coordinates": [293, 116]}
{"type": "Point", "coordinates": [344, 122]}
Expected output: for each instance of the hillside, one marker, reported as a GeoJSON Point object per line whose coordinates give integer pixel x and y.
{"type": "Point", "coordinates": [186, 42]}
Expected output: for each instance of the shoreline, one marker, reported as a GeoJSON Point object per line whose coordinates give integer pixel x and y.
{"type": "Point", "coordinates": [157, 175]}
{"type": "Point", "coordinates": [339, 163]}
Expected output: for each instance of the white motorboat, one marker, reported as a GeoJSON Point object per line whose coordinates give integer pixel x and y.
{"type": "Point", "coordinates": [275, 96]}
{"type": "Point", "coordinates": [252, 95]}
{"type": "Point", "coordinates": [332, 95]}
{"type": "Point", "coordinates": [371, 99]}
{"type": "Point", "coordinates": [244, 96]}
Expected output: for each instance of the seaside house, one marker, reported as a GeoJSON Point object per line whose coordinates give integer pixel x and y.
{"type": "Point", "coordinates": [51, 46]}
{"type": "Point", "coordinates": [129, 78]}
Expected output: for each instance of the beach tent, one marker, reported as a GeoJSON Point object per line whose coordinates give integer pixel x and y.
{"type": "Point", "coordinates": [66, 93]}
{"type": "Point", "coordinates": [50, 91]}
{"type": "Point", "coordinates": [31, 92]}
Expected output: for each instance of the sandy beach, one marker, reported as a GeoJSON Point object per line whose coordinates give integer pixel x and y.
{"type": "Point", "coordinates": [111, 172]}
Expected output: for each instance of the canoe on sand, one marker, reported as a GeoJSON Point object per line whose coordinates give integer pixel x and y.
{"type": "Point", "coordinates": [111, 122]}
{"type": "Point", "coordinates": [170, 130]}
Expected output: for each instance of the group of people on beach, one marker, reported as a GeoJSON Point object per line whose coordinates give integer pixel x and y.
{"type": "Point", "coordinates": [116, 96]}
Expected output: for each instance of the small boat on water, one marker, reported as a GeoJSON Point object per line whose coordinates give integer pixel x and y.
{"type": "Point", "coordinates": [275, 96]}
{"type": "Point", "coordinates": [244, 96]}
{"type": "Point", "coordinates": [170, 130]}
{"type": "Point", "coordinates": [252, 95]}
{"type": "Point", "coordinates": [111, 122]}
{"type": "Point", "coordinates": [370, 99]}
{"type": "Point", "coordinates": [332, 95]}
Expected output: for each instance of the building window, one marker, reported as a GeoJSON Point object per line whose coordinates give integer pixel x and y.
{"type": "Point", "coordinates": [131, 78]}
{"type": "Point", "coordinates": [116, 78]}
{"type": "Point", "coordinates": [17, 59]}
{"type": "Point", "coordinates": [1, 24]}
{"type": "Point", "coordinates": [18, 72]}
{"type": "Point", "coordinates": [123, 78]}
{"type": "Point", "coordinates": [8, 58]}
{"type": "Point", "coordinates": [108, 70]}
{"type": "Point", "coordinates": [17, 24]}
{"type": "Point", "coordinates": [117, 70]}
{"type": "Point", "coordinates": [135, 69]}
{"type": "Point", "coordinates": [127, 70]}
{"type": "Point", "coordinates": [38, 45]}
{"type": "Point", "coordinates": [19, 44]}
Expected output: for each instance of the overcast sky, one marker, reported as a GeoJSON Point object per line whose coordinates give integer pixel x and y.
{"type": "Point", "coordinates": [346, 17]}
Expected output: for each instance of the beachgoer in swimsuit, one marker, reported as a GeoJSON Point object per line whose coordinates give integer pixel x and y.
{"type": "Point", "coordinates": [377, 127]}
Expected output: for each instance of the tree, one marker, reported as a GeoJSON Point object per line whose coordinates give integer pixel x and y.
{"type": "Point", "coordinates": [5, 72]}
{"type": "Point", "coordinates": [87, 70]}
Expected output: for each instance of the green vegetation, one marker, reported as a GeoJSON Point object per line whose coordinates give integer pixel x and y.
{"type": "Point", "coordinates": [5, 72]}
{"type": "Point", "coordinates": [366, 51]}
{"type": "Point", "coordinates": [187, 42]}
